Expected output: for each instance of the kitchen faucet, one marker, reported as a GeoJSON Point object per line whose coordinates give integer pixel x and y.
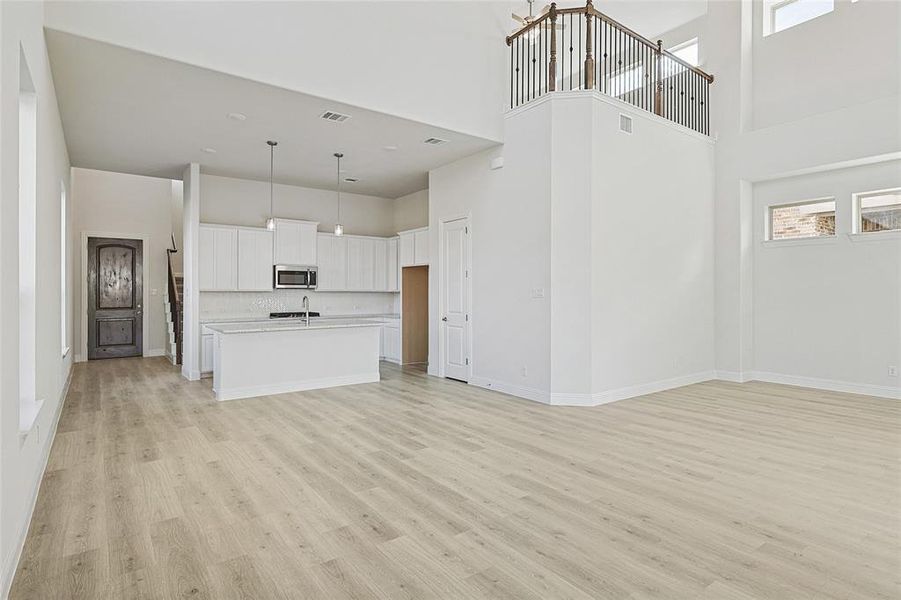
{"type": "Point", "coordinates": [306, 310]}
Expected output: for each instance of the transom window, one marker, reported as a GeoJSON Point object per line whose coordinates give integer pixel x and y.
{"type": "Point", "coordinates": [877, 211]}
{"type": "Point", "coordinates": [779, 15]}
{"type": "Point", "coordinates": [808, 219]}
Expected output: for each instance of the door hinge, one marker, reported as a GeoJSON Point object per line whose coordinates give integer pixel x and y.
{"type": "Point", "coordinates": [467, 273]}
{"type": "Point", "coordinates": [467, 361]}
{"type": "Point", "coordinates": [466, 230]}
{"type": "Point", "coordinates": [467, 317]}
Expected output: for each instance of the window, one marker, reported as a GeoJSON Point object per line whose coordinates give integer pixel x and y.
{"type": "Point", "coordinates": [812, 218]}
{"type": "Point", "coordinates": [877, 211]}
{"type": "Point", "coordinates": [63, 291]}
{"type": "Point", "coordinates": [627, 80]}
{"type": "Point", "coordinates": [28, 405]}
{"type": "Point", "coordinates": [782, 14]}
{"type": "Point", "coordinates": [687, 51]}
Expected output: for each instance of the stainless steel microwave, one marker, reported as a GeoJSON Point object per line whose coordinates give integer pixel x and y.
{"type": "Point", "coordinates": [294, 276]}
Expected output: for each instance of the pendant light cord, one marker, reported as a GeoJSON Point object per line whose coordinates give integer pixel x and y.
{"type": "Point", "coordinates": [271, 162]}
{"type": "Point", "coordinates": [338, 186]}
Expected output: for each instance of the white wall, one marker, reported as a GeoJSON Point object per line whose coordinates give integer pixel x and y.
{"type": "Point", "coordinates": [828, 309]}
{"type": "Point", "coordinates": [844, 58]}
{"type": "Point", "coordinates": [411, 211]}
{"type": "Point", "coordinates": [233, 201]}
{"type": "Point", "coordinates": [766, 132]}
{"type": "Point", "coordinates": [510, 209]}
{"type": "Point", "coordinates": [622, 254]}
{"type": "Point", "coordinates": [442, 63]}
{"type": "Point", "coordinates": [23, 455]}
{"type": "Point", "coordinates": [130, 206]}
{"type": "Point", "coordinates": [652, 232]}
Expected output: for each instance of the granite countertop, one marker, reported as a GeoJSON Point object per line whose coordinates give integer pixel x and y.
{"type": "Point", "coordinates": [207, 320]}
{"type": "Point", "coordinates": [292, 325]}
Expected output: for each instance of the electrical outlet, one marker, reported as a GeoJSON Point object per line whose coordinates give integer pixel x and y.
{"type": "Point", "coordinates": [538, 292]}
{"type": "Point", "coordinates": [892, 371]}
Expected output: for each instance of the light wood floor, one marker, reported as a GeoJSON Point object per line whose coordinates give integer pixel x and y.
{"type": "Point", "coordinates": [420, 488]}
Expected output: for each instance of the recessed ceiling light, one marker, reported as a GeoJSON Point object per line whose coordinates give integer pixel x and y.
{"type": "Point", "coordinates": [434, 141]}
{"type": "Point", "coordinates": [236, 116]}
{"type": "Point", "coordinates": [208, 150]}
{"type": "Point", "coordinates": [389, 148]}
{"type": "Point", "coordinates": [351, 179]}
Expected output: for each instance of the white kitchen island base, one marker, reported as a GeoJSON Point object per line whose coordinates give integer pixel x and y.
{"type": "Point", "coordinates": [275, 358]}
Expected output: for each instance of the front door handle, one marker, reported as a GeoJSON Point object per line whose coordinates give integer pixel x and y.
{"type": "Point", "coordinates": [444, 318]}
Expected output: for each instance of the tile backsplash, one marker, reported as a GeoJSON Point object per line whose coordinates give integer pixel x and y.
{"type": "Point", "coordinates": [260, 304]}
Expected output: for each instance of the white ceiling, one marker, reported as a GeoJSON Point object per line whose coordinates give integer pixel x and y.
{"type": "Point", "coordinates": [131, 112]}
{"type": "Point", "coordinates": [650, 18]}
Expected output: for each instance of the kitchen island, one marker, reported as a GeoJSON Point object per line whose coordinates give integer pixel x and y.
{"type": "Point", "coordinates": [259, 359]}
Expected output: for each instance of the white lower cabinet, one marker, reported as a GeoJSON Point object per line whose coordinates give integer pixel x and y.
{"type": "Point", "coordinates": [390, 342]}
{"type": "Point", "coordinates": [206, 353]}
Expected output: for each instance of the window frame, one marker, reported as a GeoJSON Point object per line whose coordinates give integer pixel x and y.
{"type": "Point", "coordinates": [768, 221]}
{"type": "Point", "coordinates": [769, 15]}
{"type": "Point", "coordinates": [856, 197]}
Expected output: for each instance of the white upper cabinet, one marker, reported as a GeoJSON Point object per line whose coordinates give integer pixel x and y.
{"type": "Point", "coordinates": [332, 256]}
{"type": "Point", "coordinates": [218, 258]}
{"type": "Point", "coordinates": [380, 265]}
{"type": "Point", "coordinates": [254, 259]}
{"type": "Point", "coordinates": [414, 247]}
{"type": "Point", "coordinates": [295, 242]}
{"type": "Point", "coordinates": [392, 265]}
{"type": "Point", "coordinates": [234, 258]}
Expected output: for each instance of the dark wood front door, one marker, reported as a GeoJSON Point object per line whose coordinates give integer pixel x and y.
{"type": "Point", "coordinates": [115, 298]}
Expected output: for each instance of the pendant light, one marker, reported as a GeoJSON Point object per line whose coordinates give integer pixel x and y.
{"type": "Point", "coordinates": [339, 228]}
{"type": "Point", "coordinates": [270, 222]}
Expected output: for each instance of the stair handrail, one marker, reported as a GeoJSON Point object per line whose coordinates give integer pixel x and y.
{"type": "Point", "coordinates": [174, 300]}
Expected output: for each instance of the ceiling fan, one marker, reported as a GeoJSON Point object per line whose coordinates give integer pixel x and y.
{"type": "Point", "coordinates": [523, 21]}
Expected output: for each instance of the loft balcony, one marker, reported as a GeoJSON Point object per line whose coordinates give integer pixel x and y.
{"type": "Point", "coordinates": [566, 49]}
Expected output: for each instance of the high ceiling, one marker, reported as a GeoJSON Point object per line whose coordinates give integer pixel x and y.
{"type": "Point", "coordinates": [131, 112]}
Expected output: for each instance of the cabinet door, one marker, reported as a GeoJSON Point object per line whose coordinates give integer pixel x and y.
{"type": "Point", "coordinates": [307, 244]}
{"type": "Point", "coordinates": [367, 264]}
{"type": "Point", "coordinates": [392, 343]}
{"type": "Point", "coordinates": [288, 242]}
{"type": "Point", "coordinates": [406, 249]}
{"type": "Point", "coordinates": [391, 265]}
{"type": "Point", "coordinates": [339, 263]}
{"type": "Point", "coordinates": [226, 260]}
{"type": "Point", "coordinates": [324, 256]}
{"type": "Point", "coordinates": [354, 263]}
{"type": "Point", "coordinates": [254, 260]}
{"type": "Point", "coordinates": [206, 255]}
{"type": "Point", "coordinates": [380, 265]}
{"type": "Point", "coordinates": [421, 247]}
{"type": "Point", "coordinates": [206, 354]}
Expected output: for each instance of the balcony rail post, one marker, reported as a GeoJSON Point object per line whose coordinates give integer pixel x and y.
{"type": "Point", "coordinates": [589, 57]}
{"type": "Point", "coordinates": [658, 88]}
{"type": "Point", "coordinates": [552, 65]}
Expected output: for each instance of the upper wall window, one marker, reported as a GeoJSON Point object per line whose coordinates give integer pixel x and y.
{"type": "Point", "coordinates": [687, 51]}
{"type": "Point", "coordinates": [877, 211]}
{"type": "Point", "coordinates": [782, 14]}
{"type": "Point", "coordinates": [813, 218]}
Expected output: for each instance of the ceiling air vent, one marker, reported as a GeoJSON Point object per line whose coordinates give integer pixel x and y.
{"type": "Point", "coordinates": [625, 123]}
{"type": "Point", "coordinates": [351, 179]}
{"type": "Point", "coordinates": [334, 117]}
{"type": "Point", "coordinates": [433, 141]}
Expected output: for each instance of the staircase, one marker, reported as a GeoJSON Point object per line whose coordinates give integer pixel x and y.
{"type": "Point", "coordinates": [175, 315]}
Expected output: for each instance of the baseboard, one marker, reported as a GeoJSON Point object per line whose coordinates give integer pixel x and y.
{"type": "Point", "coordinates": [624, 393]}
{"type": "Point", "coordinates": [189, 374]}
{"type": "Point", "coordinates": [831, 385]}
{"type": "Point", "coordinates": [295, 386]}
{"type": "Point", "coordinates": [79, 358]}
{"type": "Point", "coordinates": [9, 569]}
{"type": "Point", "coordinates": [154, 352]}
{"type": "Point", "coordinates": [519, 391]}
{"type": "Point", "coordinates": [734, 376]}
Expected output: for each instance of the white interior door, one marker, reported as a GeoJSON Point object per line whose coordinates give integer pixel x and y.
{"type": "Point", "coordinates": [455, 299]}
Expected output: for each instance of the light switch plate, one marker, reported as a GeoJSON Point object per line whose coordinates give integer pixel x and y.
{"type": "Point", "coordinates": [538, 292]}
